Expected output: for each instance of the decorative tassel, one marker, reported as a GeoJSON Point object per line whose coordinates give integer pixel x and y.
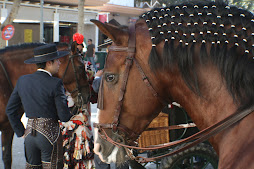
{"type": "Point", "coordinates": [154, 60]}
{"type": "Point", "coordinates": [165, 50]}
{"type": "Point", "coordinates": [213, 50]}
{"type": "Point", "coordinates": [33, 132]}
{"type": "Point", "coordinates": [168, 54]}
{"type": "Point", "coordinates": [203, 52]}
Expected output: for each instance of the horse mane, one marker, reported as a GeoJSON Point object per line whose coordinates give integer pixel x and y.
{"type": "Point", "coordinates": [20, 46]}
{"type": "Point", "coordinates": [224, 34]}
{"type": "Point", "coordinates": [62, 44]}
{"type": "Point", "coordinates": [28, 45]}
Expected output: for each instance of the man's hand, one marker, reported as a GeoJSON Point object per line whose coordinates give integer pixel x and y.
{"type": "Point", "coordinates": [99, 73]}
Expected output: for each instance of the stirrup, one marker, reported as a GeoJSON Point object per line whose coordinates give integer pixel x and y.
{"type": "Point", "coordinates": [30, 166]}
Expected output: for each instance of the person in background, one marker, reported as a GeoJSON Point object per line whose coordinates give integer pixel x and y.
{"type": "Point", "coordinates": [97, 81]}
{"type": "Point", "coordinates": [90, 53]}
{"type": "Point", "coordinates": [43, 99]}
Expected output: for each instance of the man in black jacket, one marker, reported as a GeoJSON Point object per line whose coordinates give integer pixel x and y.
{"type": "Point", "coordinates": [44, 101]}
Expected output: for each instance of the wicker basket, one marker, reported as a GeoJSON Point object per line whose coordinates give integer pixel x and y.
{"type": "Point", "coordinates": [155, 137]}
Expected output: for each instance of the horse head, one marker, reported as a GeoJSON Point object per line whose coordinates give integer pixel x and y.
{"type": "Point", "coordinates": [199, 55]}
{"type": "Point", "coordinates": [73, 74]}
{"type": "Point", "coordinates": [135, 114]}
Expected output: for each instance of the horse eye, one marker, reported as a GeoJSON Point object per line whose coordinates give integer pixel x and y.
{"type": "Point", "coordinates": [110, 78]}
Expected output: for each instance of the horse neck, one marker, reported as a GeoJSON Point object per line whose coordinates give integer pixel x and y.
{"type": "Point", "coordinates": [13, 62]}
{"type": "Point", "coordinates": [214, 104]}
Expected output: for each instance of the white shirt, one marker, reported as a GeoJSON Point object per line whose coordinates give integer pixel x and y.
{"type": "Point", "coordinates": [43, 70]}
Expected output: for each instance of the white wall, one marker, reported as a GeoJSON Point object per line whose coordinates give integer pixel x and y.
{"type": "Point", "coordinates": [32, 14]}
{"type": "Point", "coordinates": [122, 2]}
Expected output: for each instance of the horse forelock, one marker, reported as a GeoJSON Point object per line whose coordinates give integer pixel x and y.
{"type": "Point", "coordinates": [224, 35]}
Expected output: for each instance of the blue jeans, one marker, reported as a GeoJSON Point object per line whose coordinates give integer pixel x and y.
{"type": "Point", "coordinates": [91, 59]}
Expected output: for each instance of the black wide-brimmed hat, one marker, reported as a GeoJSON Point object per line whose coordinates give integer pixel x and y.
{"type": "Point", "coordinates": [46, 53]}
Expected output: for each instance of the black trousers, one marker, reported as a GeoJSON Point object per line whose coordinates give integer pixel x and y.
{"type": "Point", "coordinates": [37, 149]}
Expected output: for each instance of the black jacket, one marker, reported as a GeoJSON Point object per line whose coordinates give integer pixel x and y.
{"type": "Point", "coordinates": [41, 96]}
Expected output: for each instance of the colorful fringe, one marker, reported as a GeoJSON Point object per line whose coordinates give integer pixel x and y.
{"type": "Point", "coordinates": [78, 142]}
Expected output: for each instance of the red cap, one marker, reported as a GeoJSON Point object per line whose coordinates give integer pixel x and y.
{"type": "Point", "coordinates": [79, 38]}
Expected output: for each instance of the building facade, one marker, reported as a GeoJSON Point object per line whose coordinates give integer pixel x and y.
{"type": "Point", "coordinates": [60, 19]}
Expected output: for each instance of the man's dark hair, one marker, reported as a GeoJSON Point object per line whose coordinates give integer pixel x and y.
{"type": "Point", "coordinates": [42, 65]}
{"type": "Point", "coordinates": [90, 40]}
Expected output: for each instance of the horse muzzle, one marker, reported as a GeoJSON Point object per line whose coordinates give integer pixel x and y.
{"type": "Point", "coordinates": [109, 152]}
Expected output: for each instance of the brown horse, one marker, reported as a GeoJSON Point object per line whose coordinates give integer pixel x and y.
{"type": "Point", "coordinates": [12, 60]}
{"type": "Point", "coordinates": [197, 54]}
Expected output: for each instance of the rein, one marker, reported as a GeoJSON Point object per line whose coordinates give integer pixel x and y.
{"type": "Point", "coordinates": [196, 138]}
{"type": "Point", "coordinates": [115, 126]}
{"type": "Point", "coordinates": [78, 87]}
{"type": "Point", "coordinates": [75, 72]}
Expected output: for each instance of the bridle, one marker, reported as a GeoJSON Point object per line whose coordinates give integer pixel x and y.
{"type": "Point", "coordinates": [131, 135]}
{"type": "Point", "coordinates": [115, 125]}
{"type": "Point", "coordinates": [78, 88]}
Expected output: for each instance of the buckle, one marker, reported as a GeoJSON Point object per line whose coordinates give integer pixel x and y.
{"type": "Point", "coordinates": [114, 127]}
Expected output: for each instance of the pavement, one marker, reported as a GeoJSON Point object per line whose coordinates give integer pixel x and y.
{"type": "Point", "coordinates": [18, 157]}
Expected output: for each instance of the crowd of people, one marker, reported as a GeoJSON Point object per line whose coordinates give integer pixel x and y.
{"type": "Point", "coordinates": [55, 137]}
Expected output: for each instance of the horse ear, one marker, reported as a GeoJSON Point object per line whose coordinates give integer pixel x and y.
{"type": "Point", "coordinates": [112, 31]}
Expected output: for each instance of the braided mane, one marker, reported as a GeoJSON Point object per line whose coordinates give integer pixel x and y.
{"type": "Point", "coordinates": [224, 35]}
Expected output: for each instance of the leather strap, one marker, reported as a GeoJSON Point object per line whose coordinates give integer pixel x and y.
{"type": "Point", "coordinates": [196, 138]}
{"type": "Point", "coordinates": [129, 62]}
{"type": "Point", "coordinates": [172, 127]}
{"type": "Point", "coordinates": [78, 87]}
{"type": "Point", "coordinates": [131, 53]}
{"type": "Point", "coordinates": [148, 84]}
